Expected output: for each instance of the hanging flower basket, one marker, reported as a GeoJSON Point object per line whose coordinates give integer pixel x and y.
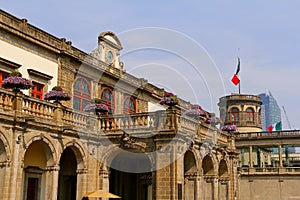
{"type": "Point", "coordinates": [229, 128]}
{"type": "Point", "coordinates": [96, 106]}
{"type": "Point", "coordinates": [195, 112]}
{"type": "Point", "coordinates": [57, 94]}
{"type": "Point", "coordinates": [16, 82]}
{"type": "Point", "coordinates": [212, 120]}
{"type": "Point", "coordinates": [169, 99]}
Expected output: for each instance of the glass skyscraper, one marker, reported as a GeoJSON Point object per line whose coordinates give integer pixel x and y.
{"type": "Point", "coordinates": [270, 111]}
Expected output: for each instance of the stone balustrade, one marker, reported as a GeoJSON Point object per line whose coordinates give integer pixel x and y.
{"type": "Point", "coordinates": [169, 120]}
{"type": "Point", "coordinates": [276, 134]}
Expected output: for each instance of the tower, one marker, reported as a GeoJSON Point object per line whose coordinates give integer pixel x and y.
{"type": "Point", "coordinates": [243, 110]}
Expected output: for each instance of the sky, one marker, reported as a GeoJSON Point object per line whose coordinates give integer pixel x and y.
{"type": "Point", "coordinates": [188, 47]}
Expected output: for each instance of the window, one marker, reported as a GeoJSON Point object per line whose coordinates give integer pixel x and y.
{"type": "Point", "coordinates": [129, 105]}
{"type": "Point", "coordinates": [234, 114]}
{"type": "Point", "coordinates": [108, 98]}
{"type": "Point", "coordinates": [250, 114]}
{"type": "Point", "coordinates": [82, 93]}
{"type": "Point", "coordinates": [3, 75]}
{"type": "Point", "coordinates": [37, 90]}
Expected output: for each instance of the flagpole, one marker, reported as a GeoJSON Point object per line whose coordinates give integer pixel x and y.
{"type": "Point", "coordinates": [238, 52]}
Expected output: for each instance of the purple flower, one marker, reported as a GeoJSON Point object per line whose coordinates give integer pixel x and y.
{"type": "Point", "coordinates": [212, 120]}
{"type": "Point", "coordinates": [229, 128]}
{"type": "Point", "coordinates": [57, 95]}
{"type": "Point", "coordinates": [193, 113]}
{"type": "Point", "coordinates": [16, 82]}
{"type": "Point", "coordinates": [169, 99]}
{"type": "Point", "coordinates": [95, 107]}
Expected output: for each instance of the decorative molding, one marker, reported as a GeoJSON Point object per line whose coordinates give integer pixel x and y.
{"type": "Point", "coordinates": [126, 140]}
{"type": "Point", "coordinates": [38, 74]}
{"type": "Point", "coordinates": [11, 65]}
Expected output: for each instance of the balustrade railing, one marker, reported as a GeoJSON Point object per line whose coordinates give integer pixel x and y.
{"type": "Point", "coordinates": [36, 107]}
{"type": "Point", "coordinates": [268, 134]}
{"type": "Point", "coordinates": [6, 99]}
{"type": "Point", "coordinates": [140, 122]}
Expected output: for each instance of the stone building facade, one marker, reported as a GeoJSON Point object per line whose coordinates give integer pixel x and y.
{"type": "Point", "coordinates": [56, 151]}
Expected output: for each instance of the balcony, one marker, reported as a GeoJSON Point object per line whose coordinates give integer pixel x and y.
{"type": "Point", "coordinates": [19, 108]}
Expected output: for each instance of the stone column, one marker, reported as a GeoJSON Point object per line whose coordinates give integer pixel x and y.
{"type": "Point", "coordinates": [164, 185]}
{"type": "Point", "coordinates": [15, 185]}
{"type": "Point", "coordinates": [52, 174]}
{"type": "Point", "coordinates": [198, 186]}
{"type": "Point", "coordinates": [216, 188]}
{"type": "Point", "coordinates": [280, 156]}
{"type": "Point", "coordinates": [7, 167]}
{"type": "Point", "coordinates": [81, 182]}
{"type": "Point", "coordinates": [250, 157]}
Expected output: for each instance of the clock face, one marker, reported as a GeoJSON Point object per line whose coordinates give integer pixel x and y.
{"type": "Point", "coordinates": [110, 56]}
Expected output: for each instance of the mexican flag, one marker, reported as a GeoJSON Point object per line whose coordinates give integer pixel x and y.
{"type": "Point", "coordinates": [275, 127]}
{"type": "Point", "coordinates": [235, 79]}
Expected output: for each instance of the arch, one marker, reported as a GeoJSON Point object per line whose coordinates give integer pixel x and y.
{"type": "Point", "coordinates": [111, 37]}
{"type": "Point", "coordinates": [249, 114]}
{"type": "Point", "coordinates": [190, 163]}
{"type": "Point", "coordinates": [131, 174]}
{"type": "Point", "coordinates": [37, 159]}
{"type": "Point", "coordinates": [234, 114]}
{"type": "Point", "coordinates": [47, 142]}
{"type": "Point", "coordinates": [223, 169]}
{"type": "Point", "coordinates": [136, 151]}
{"type": "Point", "coordinates": [208, 167]}
{"type": "Point", "coordinates": [38, 154]}
{"type": "Point", "coordinates": [6, 146]}
{"type": "Point", "coordinates": [79, 152]}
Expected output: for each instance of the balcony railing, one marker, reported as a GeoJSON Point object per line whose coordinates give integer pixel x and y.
{"type": "Point", "coordinates": [170, 120]}
{"type": "Point", "coordinates": [270, 170]}
{"type": "Point", "coordinates": [275, 134]}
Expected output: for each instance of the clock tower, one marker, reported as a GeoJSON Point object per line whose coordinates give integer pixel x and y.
{"type": "Point", "coordinates": [108, 51]}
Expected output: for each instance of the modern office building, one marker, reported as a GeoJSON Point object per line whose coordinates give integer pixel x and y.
{"type": "Point", "coordinates": [270, 111]}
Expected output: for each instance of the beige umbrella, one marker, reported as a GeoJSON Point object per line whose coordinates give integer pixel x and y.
{"type": "Point", "coordinates": [101, 194]}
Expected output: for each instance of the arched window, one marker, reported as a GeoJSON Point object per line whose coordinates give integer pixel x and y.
{"type": "Point", "coordinates": [108, 98]}
{"type": "Point", "coordinates": [82, 93]}
{"type": "Point", "coordinates": [250, 114]}
{"type": "Point", "coordinates": [234, 114]}
{"type": "Point", "coordinates": [129, 105]}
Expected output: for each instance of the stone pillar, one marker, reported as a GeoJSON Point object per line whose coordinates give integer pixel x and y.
{"type": "Point", "coordinates": [250, 157]}
{"type": "Point", "coordinates": [15, 185]}
{"type": "Point", "coordinates": [280, 156]}
{"type": "Point", "coordinates": [81, 183]}
{"type": "Point", "coordinates": [58, 114]}
{"type": "Point", "coordinates": [52, 174]}
{"type": "Point", "coordinates": [104, 179]}
{"type": "Point", "coordinates": [287, 159]}
{"type": "Point", "coordinates": [5, 192]}
{"type": "Point", "coordinates": [215, 188]}
{"type": "Point", "coordinates": [164, 179]}
{"type": "Point", "coordinates": [198, 186]}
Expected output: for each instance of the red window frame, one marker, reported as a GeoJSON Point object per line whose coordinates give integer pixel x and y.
{"type": "Point", "coordinates": [250, 114]}
{"type": "Point", "coordinates": [80, 93]}
{"type": "Point", "coordinates": [3, 75]}
{"type": "Point", "coordinates": [234, 115]}
{"type": "Point", "coordinates": [108, 99]}
{"type": "Point", "coordinates": [37, 90]}
{"type": "Point", "coordinates": [127, 105]}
